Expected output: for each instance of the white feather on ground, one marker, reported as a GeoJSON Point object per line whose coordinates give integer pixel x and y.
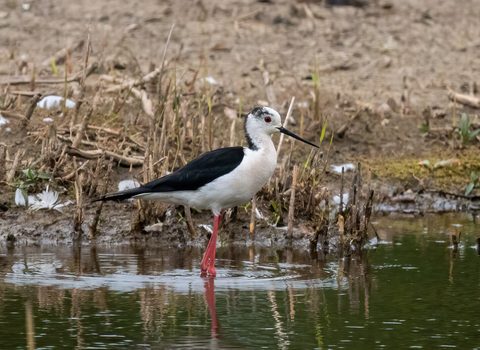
{"type": "Point", "coordinates": [55, 101]}
{"type": "Point", "coordinates": [47, 200]}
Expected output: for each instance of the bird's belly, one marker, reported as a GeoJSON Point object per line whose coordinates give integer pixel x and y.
{"type": "Point", "coordinates": [239, 186]}
{"type": "Point", "coordinates": [220, 195]}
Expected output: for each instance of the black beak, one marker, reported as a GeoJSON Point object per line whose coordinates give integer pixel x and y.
{"type": "Point", "coordinates": [286, 132]}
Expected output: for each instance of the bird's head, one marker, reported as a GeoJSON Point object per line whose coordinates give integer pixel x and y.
{"type": "Point", "coordinates": [267, 120]}
{"type": "Point", "coordinates": [264, 119]}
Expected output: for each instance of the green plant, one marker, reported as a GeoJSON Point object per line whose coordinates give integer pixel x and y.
{"type": "Point", "coordinates": [276, 209]}
{"type": "Point", "coordinates": [474, 182]}
{"type": "Point", "coordinates": [31, 179]}
{"type": "Point", "coordinates": [424, 128]}
{"type": "Point", "coordinates": [466, 134]}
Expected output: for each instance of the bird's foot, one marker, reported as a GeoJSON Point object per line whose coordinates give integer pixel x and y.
{"type": "Point", "coordinates": [203, 268]}
{"type": "Point", "coordinates": [207, 268]}
{"type": "Point", "coordinates": [211, 271]}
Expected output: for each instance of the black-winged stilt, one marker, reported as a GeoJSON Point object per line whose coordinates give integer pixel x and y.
{"type": "Point", "coordinates": [220, 179]}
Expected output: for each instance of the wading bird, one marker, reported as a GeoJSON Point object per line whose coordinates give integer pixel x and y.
{"type": "Point", "coordinates": [220, 179]}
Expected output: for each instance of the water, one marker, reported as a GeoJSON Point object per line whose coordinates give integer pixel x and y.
{"type": "Point", "coordinates": [410, 291]}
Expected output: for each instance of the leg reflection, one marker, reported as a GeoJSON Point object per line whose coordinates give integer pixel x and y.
{"type": "Point", "coordinates": [210, 296]}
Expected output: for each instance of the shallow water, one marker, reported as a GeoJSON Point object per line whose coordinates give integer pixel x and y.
{"type": "Point", "coordinates": [410, 291]}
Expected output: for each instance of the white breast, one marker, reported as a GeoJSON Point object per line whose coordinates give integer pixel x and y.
{"type": "Point", "coordinates": [239, 186]}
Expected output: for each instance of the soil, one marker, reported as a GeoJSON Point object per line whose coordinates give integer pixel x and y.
{"type": "Point", "coordinates": [380, 68]}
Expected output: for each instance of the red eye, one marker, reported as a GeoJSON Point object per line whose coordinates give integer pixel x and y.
{"type": "Point", "coordinates": [268, 119]}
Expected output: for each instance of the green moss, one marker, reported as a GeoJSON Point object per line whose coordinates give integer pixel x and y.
{"type": "Point", "coordinates": [456, 173]}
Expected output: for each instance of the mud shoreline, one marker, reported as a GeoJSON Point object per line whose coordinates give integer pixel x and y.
{"type": "Point", "coordinates": [116, 225]}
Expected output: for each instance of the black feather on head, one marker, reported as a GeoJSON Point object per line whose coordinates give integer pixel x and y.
{"type": "Point", "coordinates": [260, 112]}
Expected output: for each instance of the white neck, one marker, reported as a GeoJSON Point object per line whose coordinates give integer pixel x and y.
{"type": "Point", "coordinates": [258, 140]}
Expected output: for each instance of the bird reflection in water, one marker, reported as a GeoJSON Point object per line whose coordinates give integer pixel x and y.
{"type": "Point", "coordinates": [210, 296]}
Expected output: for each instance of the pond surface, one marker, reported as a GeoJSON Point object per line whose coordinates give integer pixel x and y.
{"type": "Point", "coordinates": [410, 291]}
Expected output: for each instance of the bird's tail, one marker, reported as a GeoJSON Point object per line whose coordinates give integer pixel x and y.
{"type": "Point", "coordinates": [120, 196]}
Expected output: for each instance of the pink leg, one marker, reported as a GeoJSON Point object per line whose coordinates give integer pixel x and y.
{"type": "Point", "coordinates": [206, 257]}
{"type": "Point", "coordinates": [211, 262]}
{"type": "Point", "coordinates": [208, 261]}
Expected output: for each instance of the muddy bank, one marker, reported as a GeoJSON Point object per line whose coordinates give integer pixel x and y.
{"type": "Point", "coordinates": [117, 223]}
{"type": "Point", "coordinates": [115, 227]}
{"type": "Point", "coordinates": [432, 203]}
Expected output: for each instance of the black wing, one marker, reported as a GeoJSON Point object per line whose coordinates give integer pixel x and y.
{"type": "Point", "coordinates": [197, 173]}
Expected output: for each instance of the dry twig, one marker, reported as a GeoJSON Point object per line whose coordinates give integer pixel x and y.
{"type": "Point", "coordinates": [464, 99]}
{"type": "Point", "coordinates": [96, 219]}
{"type": "Point", "coordinates": [190, 223]}
{"type": "Point", "coordinates": [16, 162]}
{"type": "Point", "coordinates": [93, 154]}
{"type": "Point", "coordinates": [31, 109]}
{"type": "Point", "coordinates": [252, 216]}
{"type": "Point", "coordinates": [26, 79]}
{"type": "Point", "coordinates": [285, 123]}
{"type": "Point", "coordinates": [291, 209]}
